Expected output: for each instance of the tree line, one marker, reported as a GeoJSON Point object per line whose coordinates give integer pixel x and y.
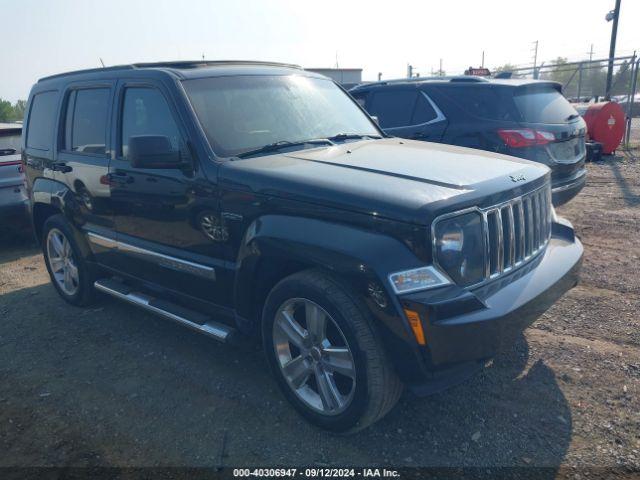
{"type": "Point", "coordinates": [12, 113]}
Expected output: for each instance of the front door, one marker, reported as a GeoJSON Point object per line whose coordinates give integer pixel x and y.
{"type": "Point", "coordinates": [159, 212]}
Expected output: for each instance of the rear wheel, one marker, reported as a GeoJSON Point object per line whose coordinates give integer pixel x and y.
{"type": "Point", "coordinates": [325, 353]}
{"type": "Point", "coordinates": [67, 268]}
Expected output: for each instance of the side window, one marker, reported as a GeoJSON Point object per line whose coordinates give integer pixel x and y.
{"type": "Point", "coordinates": [423, 112]}
{"type": "Point", "coordinates": [145, 112]}
{"type": "Point", "coordinates": [394, 108]}
{"type": "Point", "coordinates": [42, 120]}
{"type": "Point", "coordinates": [86, 121]}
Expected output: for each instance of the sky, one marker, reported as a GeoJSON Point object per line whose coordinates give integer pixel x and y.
{"type": "Point", "coordinates": [43, 37]}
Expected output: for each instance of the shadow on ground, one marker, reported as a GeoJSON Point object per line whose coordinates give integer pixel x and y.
{"type": "Point", "coordinates": [111, 385]}
{"type": "Point", "coordinates": [15, 242]}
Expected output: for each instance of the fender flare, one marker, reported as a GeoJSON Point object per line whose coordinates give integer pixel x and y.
{"type": "Point", "coordinates": [360, 258]}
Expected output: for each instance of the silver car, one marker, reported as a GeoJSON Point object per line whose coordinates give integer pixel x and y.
{"type": "Point", "coordinates": [13, 196]}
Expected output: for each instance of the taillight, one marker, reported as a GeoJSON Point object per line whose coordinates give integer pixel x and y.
{"type": "Point", "coordinates": [525, 137]}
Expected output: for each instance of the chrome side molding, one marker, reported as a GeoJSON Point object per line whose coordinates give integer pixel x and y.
{"type": "Point", "coordinates": [161, 259]}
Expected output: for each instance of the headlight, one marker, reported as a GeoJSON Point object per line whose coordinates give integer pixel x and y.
{"type": "Point", "coordinates": [458, 247]}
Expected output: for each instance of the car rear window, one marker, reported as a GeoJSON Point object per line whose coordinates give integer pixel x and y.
{"type": "Point", "coordinates": [543, 105]}
{"type": "Point", "coordinates": [42, 120]}
{"type": "Point", "coordinates": [9, 142]}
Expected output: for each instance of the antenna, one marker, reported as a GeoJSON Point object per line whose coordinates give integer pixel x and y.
{"type": "Point", "coordinates": [103, 66]}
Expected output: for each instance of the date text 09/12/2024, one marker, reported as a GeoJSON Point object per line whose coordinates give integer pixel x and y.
{"type": "Point", "coordinates": [316, 472]}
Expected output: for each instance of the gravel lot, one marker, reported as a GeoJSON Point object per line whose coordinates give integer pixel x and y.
{"type": "Point", "coordinates": [114, 386]}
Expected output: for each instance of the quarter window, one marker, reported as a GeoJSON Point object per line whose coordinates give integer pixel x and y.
{"type": "Point", "coordinates": [146, 112]}
{"type": "Point", "coordinates": [86, 121]}
{"type": "Point", "coordinates": [423, 112]}
{"type": "Point", "coordinates": [42, 120]}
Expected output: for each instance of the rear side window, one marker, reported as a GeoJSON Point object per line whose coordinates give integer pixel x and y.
{"type": "Point", "coordinates": [401, 108]}
{"type": "Point", "coordinates": [42, 120]}
{"type": "Point", "coordinates": [543, 105]}
{"type": "Point", "coordinates": [394, 108]}
{"type": "Point", "coordinates": [145, 112]}
{"type": "Point", "coordinates": [86, 121]}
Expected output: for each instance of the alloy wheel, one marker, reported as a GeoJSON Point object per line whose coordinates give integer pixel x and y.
{"type": "Point", "coordinates": [62, 262]}
{"type": "Point", "coordinates": [314, 356]}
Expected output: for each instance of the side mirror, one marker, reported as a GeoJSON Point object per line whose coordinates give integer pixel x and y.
{"type": "Point", "coordinates": [375, 119]}
{"type": "Point", "coordinates": [153, 151]}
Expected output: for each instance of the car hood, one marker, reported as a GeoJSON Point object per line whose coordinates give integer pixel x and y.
{"type": "Point", "coordinates": [404, 180]}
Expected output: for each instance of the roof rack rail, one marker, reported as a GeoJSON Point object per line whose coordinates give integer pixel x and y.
{"type": "Point", "coordinates": [210, 63]}
{"type": "Point", "coordinates": [178, 64]}
{"type": "Point", "coordinates": [452, 78]}
{"type": "Point", "coordinates": [87, 70]}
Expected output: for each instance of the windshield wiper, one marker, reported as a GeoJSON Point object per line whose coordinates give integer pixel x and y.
{"type": "Point", "coordinates": [279, 145]}
{"type": "Point", "coordinates": [351, 136]}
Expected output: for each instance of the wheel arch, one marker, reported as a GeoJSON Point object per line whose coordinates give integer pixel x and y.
{"type": "Point", "coordinates": [277, 246]}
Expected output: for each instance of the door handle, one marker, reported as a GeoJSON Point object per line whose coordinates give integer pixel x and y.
{"type": "Point", "coordinates": [61, 167]}
{"type": "Point", "coordinates": [120, 178]}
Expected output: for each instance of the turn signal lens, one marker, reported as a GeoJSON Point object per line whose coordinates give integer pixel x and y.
{"type": "Point", "coordinates": [417, 279]}
{"type": "Point", "coordinates": [416, 326]}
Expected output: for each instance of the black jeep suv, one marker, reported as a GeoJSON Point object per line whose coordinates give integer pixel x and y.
{"type": "Point", "coordinates": [524, 118]}
{"type": "Point", "coordinates": [254, 201]}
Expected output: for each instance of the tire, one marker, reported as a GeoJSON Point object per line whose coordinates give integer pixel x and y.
{"type": "Point", "coordinates": [80, 291]}
{"type": "Point", "coordinates": [350, 360]}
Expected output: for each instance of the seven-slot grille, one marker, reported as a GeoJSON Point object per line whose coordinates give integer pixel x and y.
{"type": "Point", "coordinates": [515, 231]}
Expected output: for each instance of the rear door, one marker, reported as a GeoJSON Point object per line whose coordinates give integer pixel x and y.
{"type": "Point", "coordinates": [83, 152]}
{"type": "Point", "coordinates": [407, 112]}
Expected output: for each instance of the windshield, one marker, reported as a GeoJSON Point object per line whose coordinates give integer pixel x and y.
{"type": "Point", "coordinates": [242, 113]}
{"type": "Point", "coordinates": [543, 105]}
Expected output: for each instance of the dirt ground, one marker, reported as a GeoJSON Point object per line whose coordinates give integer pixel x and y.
{"type": "Point", "coordinates": [112, 385]}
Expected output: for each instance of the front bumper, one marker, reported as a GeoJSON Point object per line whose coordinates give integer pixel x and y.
{"type": "Point", "coordinates": [466, 327]}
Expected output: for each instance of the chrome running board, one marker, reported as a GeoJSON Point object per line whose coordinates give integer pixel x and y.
{"type": "Point", "coordinates": [177, 313]}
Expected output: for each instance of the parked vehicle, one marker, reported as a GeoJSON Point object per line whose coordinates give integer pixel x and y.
{"type": "Point", "coordinates": [258, 202]}
{"type": "Point", "coordinates": [13, 196]}
{"type": "Point", "coordinates": [525, 118]}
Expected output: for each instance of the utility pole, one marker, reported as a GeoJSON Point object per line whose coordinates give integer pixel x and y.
{"type": "Point", "coordinates": [590, 52]}
{"type": "Point", "coordinates": [482, 59]}
{"type": "Point", "coordinates": [613, 15]}
{"type": "Point", "coordinates": [440, 72]}
{"type": "Point", "coordinates": [379, 76]}
{"type": "Point", "coordinates": [409, 70]}
{"type": "Point", "coordinates": [535, 60]}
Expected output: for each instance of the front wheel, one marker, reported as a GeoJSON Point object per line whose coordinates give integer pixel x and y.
{"type": "Point", "coordinates": [325, 354]}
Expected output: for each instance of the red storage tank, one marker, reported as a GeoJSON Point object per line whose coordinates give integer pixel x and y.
{"type": "Point", "coordinates": [605, 123]}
